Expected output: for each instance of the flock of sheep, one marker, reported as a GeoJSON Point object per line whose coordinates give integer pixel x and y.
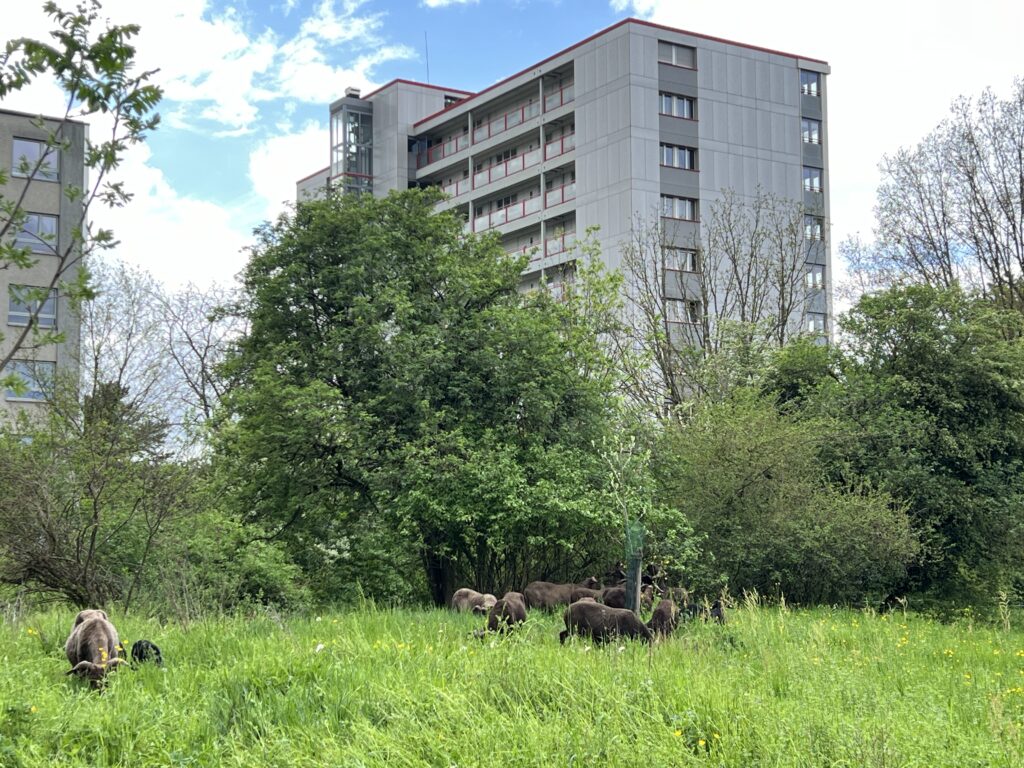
{"type": "Point", "coordinates": [94, 648]}
{"type": "Point", "coordinates": [599, 614]}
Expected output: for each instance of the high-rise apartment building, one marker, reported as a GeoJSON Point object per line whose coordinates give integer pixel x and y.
{"type": "Point", "coordinates": [639, 122]}
{"type": "Point", "coordinates": [37, 180]}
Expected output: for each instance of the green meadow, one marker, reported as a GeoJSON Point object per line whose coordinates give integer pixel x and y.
{"type": "Point", "coordinates": [405, 687]}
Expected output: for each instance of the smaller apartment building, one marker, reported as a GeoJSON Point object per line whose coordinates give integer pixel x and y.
{"type": "Point", "coordinates": [638, 123]}
{"type": "Point", "coordinates": [38, 177]}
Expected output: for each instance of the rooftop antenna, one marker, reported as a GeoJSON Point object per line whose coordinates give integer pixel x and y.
{"type": "Point", "coordinates": [426, 51]}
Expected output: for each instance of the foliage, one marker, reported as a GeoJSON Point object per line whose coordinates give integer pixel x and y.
{"type": "Point", "coordinates": [406, 687]}
{"type": "Point", "coordinates": [94, 68]}
{"type": "Point", "coordinates": [748, 478]}
{"type": "Point", "coordinates": [932, 408]}
{"type": "Point", "coordinates": [395, 390]}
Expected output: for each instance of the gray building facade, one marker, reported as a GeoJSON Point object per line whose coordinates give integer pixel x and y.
{"type": "Point", "coordinates": [38, 176]}
{"type": "Point", "coordinates": [639, 122]}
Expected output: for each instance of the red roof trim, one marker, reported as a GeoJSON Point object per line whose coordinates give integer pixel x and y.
{"type": "Point", "coordinates": [413, 82]}
{"type": "Point", "coordinates": [605, 31]}
{"type": "Point", "coordinates": [314, 173]}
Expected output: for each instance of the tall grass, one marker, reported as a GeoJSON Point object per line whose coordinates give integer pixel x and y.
{"type": "Point", "coordinates": [374, 687]}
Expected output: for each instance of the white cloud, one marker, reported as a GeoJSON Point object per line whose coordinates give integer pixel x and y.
{"type": "Point", "coordinates": [276, 163]}
{"type": "Point", "coordinates": [447, 3]}
{"type": "Point", "coordinates": [896, 67]}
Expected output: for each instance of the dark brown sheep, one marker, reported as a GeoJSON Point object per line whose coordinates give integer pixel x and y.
{"type": "Point", "coordinates": [466, 599]}
{"type": "Point", "coordinates": [615, 597]}
{"type": "Point", "coordinates": [507, 612]}
{"type": "Point", "coordinates": [93, 646]}
{"type": "Point", "coordinates": [545, 594]}
{"type": "Point", "coordinates": [580, 592]}
{"type": "Point", "coordinates": [601, 623]}
{"type": "Point", "coordinates": [665, 618]}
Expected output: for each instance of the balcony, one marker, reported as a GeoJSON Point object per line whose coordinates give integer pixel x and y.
{"type": "Point", "coordinates": [559, 195]}
{"type": "Point", "coordinates": [559, 98]}
{"type": "Point", "coordinates": [456, 188]}
{"type": "Point", "coordinates": [443, 150]}
{"type": "Point", "coordinates": [510, 167]}
{"type": "Point", "coordinates": [556, 245]}
{"type": "Point", "coordinates": [505, 215]}
{"type": "Point", "coordinates": [504, 122]}
{"type": "Point", "coordinates": [560, 146]}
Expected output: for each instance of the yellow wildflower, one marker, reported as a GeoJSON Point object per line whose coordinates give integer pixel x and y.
{"type": "Point", "coordinates": [715, 736]}
{"type": "Point", "coordinates": [33, 709]}
{"type": "Point", "coordinates": [677, 733]}
{"type": "Point", "coordinates": [701, 742]}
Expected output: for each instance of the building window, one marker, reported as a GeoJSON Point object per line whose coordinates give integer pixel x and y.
{"type": "Point", "coordinates": [815, 322]}
{"type": "Point", "coordinates": [677, 55]}
{"type": "Point", "coordinates": [28, 154]}
{"type": "Point", "coordinates": [449, 99]}
{"type": "Point", "coordinates": [682, 311]}
{"type": "Point", "coordinates": [810, 83]}
{"type": "Point", "coordinates": [23, 302]}
{"type": "Point", "coordinates": [684, 208]}
{"type": "Point", "coordinates": [812, 179]}
{"type": "Point", "coordinates": [38, 378]}
{"type": "Point", "coordinates": [38, 234]}
{"type": "Point", "coordinates": [677, 106]}
{"type": "Point", "coordinates": [679, 157]}
{"type": "Point", "coordinates": [810, 131]}
{"type": "Point", "coordinates": [814, 227]}
{"type": "Point", "coordinates": [682, 259]}
{"type": "Point", "coordinates": [816, 277]}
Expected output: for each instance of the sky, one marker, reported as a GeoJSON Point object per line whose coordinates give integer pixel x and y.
{"type": "Point", "coordinates": [248, 82]}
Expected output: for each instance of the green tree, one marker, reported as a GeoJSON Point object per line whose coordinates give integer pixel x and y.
{"type": "Point", "coordinates": [95, 69]}
{"type": "Point", "coordinates": [400, 403]}
{"type": "Point", "coordinates": [932, 402]}
{"type": "Point", "coordinates": [749, 479]}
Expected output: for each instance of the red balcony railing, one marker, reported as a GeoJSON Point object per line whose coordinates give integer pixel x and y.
{"type": "Point", "coordinates": [511, 166]}
{"type": "Point", "coordinates": [556, 245]}
{"type": "Point", "coordinates": [560, 146]}
{"type": "Point", "coordinates": [456, 188]}
{"type": "Point", "coordinates": [507, 214]}
{"type": "Point", "coordinates": [503, 122]}
{"type": "Point", "coordinates": [560, 195]}
{"type": "Point", "coordinates": [442, 150]}
{"type": "Point", "coordinates": [563, 95]}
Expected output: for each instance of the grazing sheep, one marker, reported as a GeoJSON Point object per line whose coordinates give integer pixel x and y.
{"type": "Point", "coordinates": [470, 600]}
{"type": "Point", "coordinates": [580, 592]}
{"type": "Point", "coordinates": [665, 618]}
{"type": "Point", "coordinates": [717, 612]}
{"type": "Point", "coordinates": [615, 597]}
{"type": "Point", "coordinates": [92, 647]}
{"type": "Point", "coordinates": [507, 612]}
{"type": "Point", "coordinates": [144, 650]}
{"type": "Point", "coordinates": [601, 623]}
{"type": "Point", "coordinates": [546, 594]}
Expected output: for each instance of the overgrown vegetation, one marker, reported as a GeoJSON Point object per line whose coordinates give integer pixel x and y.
{"type": "Point", "coordinates": [410, 688]}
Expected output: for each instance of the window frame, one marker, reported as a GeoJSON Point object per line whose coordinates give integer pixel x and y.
{"type": "Point", "coordinates": [809, 174]}
{"type": "Point", "coordinates": [814, 228]}
{"type": "Point", "coordinates": [33, 241]}
{"type": "Point", "coordinates": [679, 259]}
{"type": "Point", "coordinates": [46, 171]}
{"type": "Point", "coordinates": [674, 99]}
{"type": "Point", "coordinates": [673, 48]}
{"type": "Point", "coordinates": [813, 320]}
{"type": "Point", "coordinates": [675, 152]}
{"type": "Point", "coordinates": [26, 369]}
{"type": "Point", "coordinates": [810, 126]}
{"type": "Point", "coordinates": [812, 88]}
{"type": "Point", "coordinates": [815, 279]}
{"type": "Point", "coordinates": [672, 200]}
{"type": "Point", "coordinates": [19, 313]}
